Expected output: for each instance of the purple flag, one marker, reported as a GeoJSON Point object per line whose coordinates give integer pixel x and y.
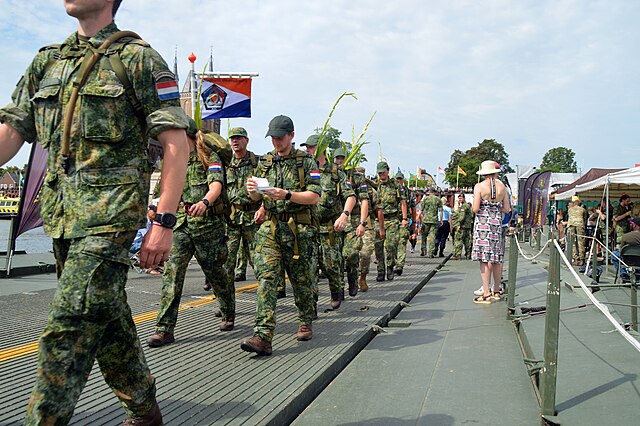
{"type": "Point", "coordinates": [29, 209]}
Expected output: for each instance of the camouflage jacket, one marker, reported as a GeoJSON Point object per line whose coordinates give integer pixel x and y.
{"type": "Point", "coordinates": [195, 188]}
{"type": "Point", "coordinates": [430, 206]}
{"type": "Point", "coordinates": [358, 183]}
{"type": "Point", "coordinates": [239, 170]}
{"type": "Point", "coordinates": [576, 216]}
{"type": "Point", "coordinates": [283, 173]}
{"type": "Point", "coordinates": [465, 216]}
{"type": "Point", "coordinates": [335, 191]}
{"type": "Point", "coordinates": [623, 225]}
{"type": "Point", "coordinates": [390, 197]}
{"type": "Point", "coordinates": [107, 185]}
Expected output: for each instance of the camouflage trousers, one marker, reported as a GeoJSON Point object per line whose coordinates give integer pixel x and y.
{"type": "Point", "coordinates": [352, 244]}
{"type": "Point", "coordinates": [403, 239]}
{"type": "Point", "coordinates": [244, 258]}
{"type": "Point", "coordinates": [240, 246]}
{"type": "Point", "coordinates": [578, 252]}
{"type": "Point", "coordinates": [368, 240]}
{"type": "Point", "coordinates": [462, 238]}
{"type": "Point", "coordinates": [274, 251]}
{"type": "Point", "coordinates": [388, 246]}
{"type": "Point", "coordinates": [89, 319]}
{"type": "Point", "coordinates": [429, 232]}
{"type": "Point", "coordinates": [210, 251]}
{"type": "Point", "coordinates": [330, 257]}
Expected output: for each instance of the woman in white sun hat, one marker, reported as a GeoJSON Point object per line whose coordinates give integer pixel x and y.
{"type": "Point", "coordinates": [490, 200]}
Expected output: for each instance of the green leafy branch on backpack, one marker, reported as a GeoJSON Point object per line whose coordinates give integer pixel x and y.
{"type": "Point", "coordinates": [355, 154]}
{"type": "Point", "coordinates": [324, 141]}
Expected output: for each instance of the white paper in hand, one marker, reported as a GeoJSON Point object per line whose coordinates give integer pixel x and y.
{"type": "Point", "coordinates": [263, 184]}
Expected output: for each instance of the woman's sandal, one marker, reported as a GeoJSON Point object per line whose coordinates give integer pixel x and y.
{"type": "Point", "coordinates": [482, 299]}
{"type": "Point", "coordinates": [497, 295]}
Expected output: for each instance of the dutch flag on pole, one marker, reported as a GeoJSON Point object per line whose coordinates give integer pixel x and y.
{"type": "Point", "coordinates": [167, 90]}
{"type": "Point", "coordinates": [225, 98]}
{"type": "Point", "coordinates": [215, 167]}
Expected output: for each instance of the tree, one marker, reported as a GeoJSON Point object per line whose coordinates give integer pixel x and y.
{"type": "Point", "coordinates": [470, 161]}
{"type": "Point", "coordinates": [559, 160]}
{"type": "Point", "coordinates": [333, 135]}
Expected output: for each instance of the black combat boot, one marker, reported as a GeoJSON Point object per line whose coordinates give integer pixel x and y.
{"type": "Point", "coordinates": [353, 286]}
{"type": "Point", "coordinates": [380, 276]}
{"type": "Point", "coordinates": [390, 274]}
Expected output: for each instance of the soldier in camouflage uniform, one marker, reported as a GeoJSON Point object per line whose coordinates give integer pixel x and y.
{"type": "Point", "coordinates": [403, 232]}
{"type": "Point", "coordinates": [333, 211]}
{"type": "Point", "coordinates": [199, 231]}
{"type": "Point", "coordinates": [463, 226]}
{"type": "Point", "coordinates": [355, 231]}
{"type": "Point", "coordinates": [93, 200]}
{"type": "Point", "coordinates": [431, 216]}
{"type": "Point", "coordinates": [621, 215]}
{"type": "Point", "coordinates": [577, 215]}
{"type": "Point", "coordinates": [394, 207]}
{"type": "Point", "coordinates": [243, 209]}
{"type": "Point", "coordinates": [287, 238]}
{"type": "Point", "coordinates": [375, 220]}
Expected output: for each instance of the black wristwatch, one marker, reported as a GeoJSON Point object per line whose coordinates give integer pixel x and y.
{"type": "Point", "coordinates": [167, 220]}
{"type": "Point", "coordinates": [205, 202]}
{"type": "Point", "coordinates": [363, 224]}
{"type": "Point", "coordinates": [347, 213]}
{"type": "Point", "coordinates": [288, 196]}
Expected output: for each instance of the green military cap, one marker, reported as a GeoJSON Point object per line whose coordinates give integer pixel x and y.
{"type": "Point", "coordinates": [382, 167]}
{"type": "Point", "coordinates": [238, 131]}
{"type": "Point", "coordinates": [339, 152]}
{"type": "Point", "coordinates": [311, 141]}
{"type": "Point", "coordinates": [280, 126]}
{"type": "Point", "coordinates": [192, 129]}
{"type": "Point", "coordinates": [399, 175]}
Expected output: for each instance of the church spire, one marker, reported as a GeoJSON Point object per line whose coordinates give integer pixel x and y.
{"type": "Point", "coordinates": [175, 64]}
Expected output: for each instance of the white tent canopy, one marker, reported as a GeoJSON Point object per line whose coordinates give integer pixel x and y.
{"type": "Point", "coordinates": [624, 181]}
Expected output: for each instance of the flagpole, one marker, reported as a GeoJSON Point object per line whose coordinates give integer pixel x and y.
{"type": "Point", "coordinates": [192, 59]}
{"type": "Point", "coordinates": [458, 177]}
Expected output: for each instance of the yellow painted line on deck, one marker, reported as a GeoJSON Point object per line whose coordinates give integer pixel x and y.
{"type": "Point", "coordinates": [29, 348]}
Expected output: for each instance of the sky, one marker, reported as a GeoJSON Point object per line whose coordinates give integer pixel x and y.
{"type": "Point", "coordinates": [439, 75]}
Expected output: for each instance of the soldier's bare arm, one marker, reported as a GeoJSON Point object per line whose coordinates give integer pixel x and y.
{"type": "Point", "coordinates": [341, 223]}
{"type": "Point", "coordinates": [198, 209]}
{"type": "Point", "coordinates": [403, 207]}
{"type": "Point", "coordinates": [157, 242]}
{"type": "Point", "coordinates": [10, 143]}
{"type": "Point", "coordinates": [364, 214]}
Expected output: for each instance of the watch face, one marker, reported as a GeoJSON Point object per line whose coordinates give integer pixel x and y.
{"type": "Point", "coordinates": [168, 220]}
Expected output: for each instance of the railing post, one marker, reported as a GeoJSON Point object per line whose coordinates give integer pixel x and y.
{"type": "Point", "coordinates": [569, 244]}
{"type": "Point", "coordinates": [552, 319]}
{"type": "Point", "coordinates": [513, 272]}
{"type": "Point", "coordinates": [594, 260]}
{"type": "Point", "coordinates": [634, 299]}
{"type": "Point", "coordinates": [538, 238]}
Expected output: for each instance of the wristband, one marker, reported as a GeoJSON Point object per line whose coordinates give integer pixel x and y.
{"type": "Point", "coordinates": [347, 213]}
{"type": "Point", "coordinates": [363, 224]}
{"type": "Point", "coordinates": [288, 196]}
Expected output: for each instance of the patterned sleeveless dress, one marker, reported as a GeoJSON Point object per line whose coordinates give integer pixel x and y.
{"type": "Point", "coordinates": [488, 245]}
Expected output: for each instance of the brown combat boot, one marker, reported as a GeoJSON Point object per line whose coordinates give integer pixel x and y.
{"type": "Point", "coordinates": [363, 283]}
{"type": "Point", "coordinates": [160, 338]}
{"type": "Point", "coordinates": [152, 418]}
{"type": "Point", "coordinates": [227, 324]}
{"type": "Point", "coordinates": [256, 344]}
{"type": "Point", "coordinates": [304, 332]}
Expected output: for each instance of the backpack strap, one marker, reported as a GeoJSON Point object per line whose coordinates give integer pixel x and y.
{"type": "Point", "coordinates": [300, 163]}
{"type": "Point", "coordinates": [266, 165]}
{"type": "Point", "coordinates": [118, 68]}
